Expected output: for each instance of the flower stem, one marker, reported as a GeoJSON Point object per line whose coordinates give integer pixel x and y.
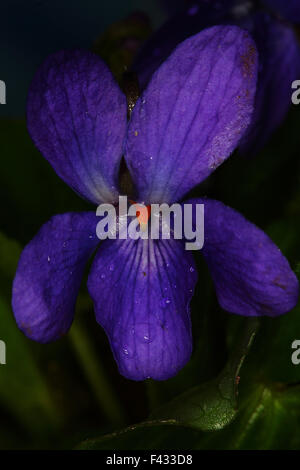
{"type": "Point", "coordinates": [105, 394]}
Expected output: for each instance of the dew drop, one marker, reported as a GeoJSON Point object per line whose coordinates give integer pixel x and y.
{"type": "Point", "coordinates": [127, 351]}
{"type": "Point", "coordinates": [49, 259]}
{"type": "Point", "coordinates": [102, 276]}
{"type": "Point", "coordinates": [192, 269]}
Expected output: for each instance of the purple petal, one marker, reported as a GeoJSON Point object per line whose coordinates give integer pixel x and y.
{"type": "Point", "coordinates": [251, 275]}
{"type": "Point", "coordinates": [279, 57]}
{"type": "Point", "coordinates": [76, 116]}
{"type": "Point", "coordinates": [141, 291]}
{"type": "Point", "coordinates": [193, 113]}
{"type": "Point", "coordinates": [49, 275]}
{"type": "Point", "coordinates": [289, 9]}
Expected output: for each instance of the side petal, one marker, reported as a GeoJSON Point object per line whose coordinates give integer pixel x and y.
{"type": "Point", "coordinates": [279, 57]}
{"type": "Point", "coordinates": [76, 116]}
{"type": "Point", "coordinates": [250, 274]}
{"type": "Point", "coordinates": [141, 290]}
{"type": "Point", "coordinates": [288, 9]}
{"type": "Point", "coordinates": [49, 274]}
{"type": "Point", "coordinates": [192, 114]}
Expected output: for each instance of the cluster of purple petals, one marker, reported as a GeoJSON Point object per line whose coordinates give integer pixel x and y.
{"type": "Point", "coordinates": [195, 110]}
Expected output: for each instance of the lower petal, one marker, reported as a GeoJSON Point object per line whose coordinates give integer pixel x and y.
{"type": "Point", "coordinates": [49, 274]}
{"type": "Point", "coordinates": [251, 275]}
{"type": "Point", "coordinates": [141, 290]}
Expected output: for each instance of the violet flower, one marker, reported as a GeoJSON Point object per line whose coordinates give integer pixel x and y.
{"type": "Point", "coordinates": [190, 118]}
{"type": "Point", "coordinates": [277, 44]}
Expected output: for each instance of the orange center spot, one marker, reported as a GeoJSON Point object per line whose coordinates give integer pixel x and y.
{"type": "Point", "coordinates": [143, 213]}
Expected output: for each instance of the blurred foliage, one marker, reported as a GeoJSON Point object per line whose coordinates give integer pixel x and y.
{"type": "Point", "coordinates": [57, 395]}
{"type": "Point", "coordinates": [23, 390]}
{"type": "Point", "coordinates": [121, 42]}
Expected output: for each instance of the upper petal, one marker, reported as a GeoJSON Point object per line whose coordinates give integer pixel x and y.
{"type": "Point", "coordinates": [192, 114]}
{"type": "Point", "coordinates": [76, 116]}
{"type": "Point", "coordinates": [288, 9]}
{"type": "Point", "coordinates": [49, 274]}
{"type": "Point", "coordinates": [251, 275]}
{"type": "Point", "coordinates": [141, 290]}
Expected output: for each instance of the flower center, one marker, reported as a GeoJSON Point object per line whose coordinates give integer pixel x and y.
{"type": "Point", "coordinates": [143, 214]}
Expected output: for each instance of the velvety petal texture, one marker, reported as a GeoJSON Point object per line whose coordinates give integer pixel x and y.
{"type": "Point", "coordinates": [76, 116]}
{"type": "Point", "coordinates": [141, 291]}
{"type": "Point", "coordinates": [289, 9]}
{"type": "Point", "coordinates": [251, 275]}
{"type": "Point", "coordinates": [49, 274]}
{"type": "Point", "coordinates": [279, 59]}
{"type": "Point", "coordinates": [193, 113]}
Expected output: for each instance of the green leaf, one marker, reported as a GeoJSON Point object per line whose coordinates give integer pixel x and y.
{"type": "Point", "coordinates": [269, 419]}
{"type": "Point", "coordinates": [150, 435]}
{"type": "Point", "coordinates": [212, 406]}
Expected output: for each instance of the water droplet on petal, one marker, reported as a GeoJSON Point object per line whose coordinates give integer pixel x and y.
{"type": "Point", "coordinates": [49, 259]}
{"type": "Point", "coordinates": [127, 351]}
{"type": "Point", "coordinates": [192, 269]}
